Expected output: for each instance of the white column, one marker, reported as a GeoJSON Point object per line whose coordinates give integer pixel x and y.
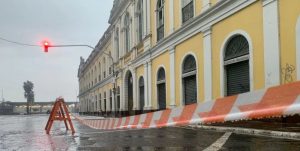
{"type": "Point", "coordinates": [122, 94]}
{"type": "Point", "coordinates": [146, 85]}
{"type": "Point", "coordinates": [107, 100]}
{"type": "Point", "coordinates": [112, 39]}
{"type": "Point", "coordinates": [207, 64]}
{"type": "Point", "coordinates": [172, 77]}
{"type": "Point", "coordinates": [271, 43]}
{"type": "Point", "coordinates": [171, 14]}
{"type": "Point", "coordinates": [134, 89]}
{"type": "Point", "coordinates": [205, 5]}
{"type": "Point", "coordinates": [149, 85]}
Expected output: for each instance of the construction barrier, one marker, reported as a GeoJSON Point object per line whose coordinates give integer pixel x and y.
{"type": "Point", "coordinates": [59, 112]}
{"type": "Point", "coordinates": [277, 101]}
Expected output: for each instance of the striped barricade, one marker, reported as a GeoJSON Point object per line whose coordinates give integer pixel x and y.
{"type": "Point", "coordinates": [277, 101]}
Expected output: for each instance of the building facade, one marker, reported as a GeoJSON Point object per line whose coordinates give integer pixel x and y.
{"type": "Point", "coordinates": [159, 54]}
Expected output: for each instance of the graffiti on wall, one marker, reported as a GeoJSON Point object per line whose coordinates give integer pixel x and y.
{"type": "Point", "coordinates": [287, 73]}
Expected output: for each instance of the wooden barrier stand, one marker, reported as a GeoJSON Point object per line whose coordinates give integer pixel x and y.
{"type": "Point", "coordinates": [59, 112]}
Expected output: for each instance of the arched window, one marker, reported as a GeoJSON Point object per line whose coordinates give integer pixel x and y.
{"type": "Point", "coordinates": [118, 98]}
{"type": "Point", "coordinates": [160, 19]}
{"type": "Point", "coordinates": [140, 19]}
{"type": "Point", "coordinates": [236, 61]}
{"type": "Point", "coordinates": [99, 77]}
{"type": "Point", "coordinates": [110, 64]}
{"type": "Point", "coordinates": [187, 10]}
{"type": "Point", "coordinates": [104, 68]}
{"type": "Point", "coordinates": [161, 89]}
{"type": "Point", "coordinates": [141, 93]}
{"type": "Point", "coordinates": [117, 43]}
{"type": "Point", "coordinates": [96, 104]}
{"type": "Point", "coordinates": [92, 78]}
{"type": "Point", "coordinates": [100, 106]}
{"type": "Point", "coordinates": [189, 80]}
{"type": "Point", "coordinates": [129, 92]}
{"type": "Point", "coordinates": [127, 32]}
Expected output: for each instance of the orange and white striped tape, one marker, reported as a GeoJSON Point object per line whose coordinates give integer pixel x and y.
{"type": "Point", "coordinates": [282, 100]}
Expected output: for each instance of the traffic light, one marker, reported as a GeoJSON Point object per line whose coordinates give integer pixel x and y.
{"type": "Point", "coordinates": [46, 46]}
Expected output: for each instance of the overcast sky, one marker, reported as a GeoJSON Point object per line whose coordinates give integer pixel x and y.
{"type": "Point", "coordinates": [62, 22]}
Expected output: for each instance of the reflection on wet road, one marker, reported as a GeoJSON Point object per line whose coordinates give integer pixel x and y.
{"type": "Point", "coordinates": [27, 133]}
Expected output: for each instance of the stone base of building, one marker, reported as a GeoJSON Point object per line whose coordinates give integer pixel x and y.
{"type": "Point", "coordinates": [117, 113]}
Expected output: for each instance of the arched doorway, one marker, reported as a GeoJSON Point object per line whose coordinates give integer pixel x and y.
{"type": "Point", "coordinates": [236, 65]}
{"type": "Point", "coordinates": [189, 80]}
{"type": "Point", "coordinates": [141, 93]}
{"type": "Point", "coordinates": [129, 92]}
{"type": "Point", "coordinates": [161, 89]}
{"type": "Point", "coordinates": [104, 102]}
{"type": "Point", "coordinates": [118, 98]}
{"type": "Point", "coordinates": [110, 101]}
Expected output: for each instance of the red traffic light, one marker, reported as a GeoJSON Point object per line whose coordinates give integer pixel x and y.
{"type": "Point", "coordinates": [46, 46]}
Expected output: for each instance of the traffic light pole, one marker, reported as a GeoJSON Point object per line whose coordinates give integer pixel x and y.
{"type": "Point", "coordinates": [115, 74]}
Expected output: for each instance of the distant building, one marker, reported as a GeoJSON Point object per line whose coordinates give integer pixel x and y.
{"type": "Point", "coordinates": [7, 108]}
{"type": "Point", "coordinates": [172, 53]}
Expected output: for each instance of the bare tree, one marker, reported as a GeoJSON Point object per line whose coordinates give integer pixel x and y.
{"type": "Point", "coordinates": [28, 94]}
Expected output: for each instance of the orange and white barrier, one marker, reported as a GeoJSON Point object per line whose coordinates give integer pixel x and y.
{"type": "Point", "coordinates": [282, 100]}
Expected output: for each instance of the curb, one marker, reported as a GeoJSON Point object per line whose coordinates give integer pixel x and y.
{"type": "Point", "coordinates": [251, 131]}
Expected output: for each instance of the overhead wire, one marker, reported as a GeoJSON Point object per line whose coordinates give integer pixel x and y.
{"type": "Point", "coordinates": [18, 43]}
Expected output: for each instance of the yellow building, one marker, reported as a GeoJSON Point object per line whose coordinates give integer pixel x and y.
{"type": "Point", "coordinates": [160, 54]}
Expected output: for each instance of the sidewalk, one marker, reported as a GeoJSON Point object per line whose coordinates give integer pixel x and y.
{"type": "Point", "coordinates": [89, 117]}
{"type": "Point", "coordinates": [288, 124]}
{"type": "Point", "coordinates": [288, 127]}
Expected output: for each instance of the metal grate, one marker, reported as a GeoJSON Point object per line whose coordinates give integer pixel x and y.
{"type": "Point", "coordinates": [189, 64]}
{"type": "Point", "coordinates": [161, 76]}
{"type": "Point", "coordinates": [238, 80]}
{"type": "Point", "coordinates": [237, 46]}
{"type": "Point", "coordinates": [161, 90]}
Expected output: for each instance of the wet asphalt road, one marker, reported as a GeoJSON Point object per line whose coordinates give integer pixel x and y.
{"type": "Point", "coordinates": [27, 133]}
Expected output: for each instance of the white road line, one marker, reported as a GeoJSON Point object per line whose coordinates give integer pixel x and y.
{"type": "Point", "coordinates": [217, 145]}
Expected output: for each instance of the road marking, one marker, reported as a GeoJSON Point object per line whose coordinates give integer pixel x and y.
{"type": "Point", "coordinates": [217, 145]}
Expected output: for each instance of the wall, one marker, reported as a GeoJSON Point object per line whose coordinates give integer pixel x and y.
{"type": "Point", "coordinates": [250, 21]}
{"type": "Point", "coordinates": [193, 46]}
{"type": "Point", "coordinates": [289, 12]}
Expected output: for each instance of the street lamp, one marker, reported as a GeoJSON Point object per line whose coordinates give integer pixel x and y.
{"type": "Point", "coordinates": [115, 74]}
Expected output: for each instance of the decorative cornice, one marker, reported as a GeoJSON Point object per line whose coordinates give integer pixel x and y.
{"type": "Point", "coordinates": [116, 10]}
{"type": "Point", "coordinates": [98, 49]}
{"type": "Point", "coordinates": [211, 16]}
{"type": "Point", "coordinates": [206, 31]}
{"type": "Point", "coordinates": [106, 81]}
{"type": "Point", "coordinates": [267, 2]}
